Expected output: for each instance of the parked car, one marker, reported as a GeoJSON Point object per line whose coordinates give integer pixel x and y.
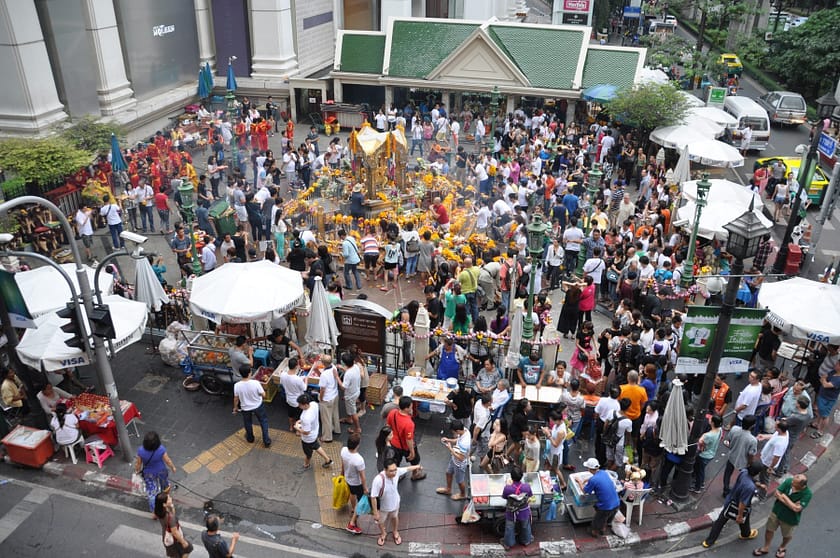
{"type": "Point", "coordinates": [818, 183]}
{"type": "Point", "coordinates": [673, 19]}
{"type": "Point", "coordinates": [732, 63]}
{"type": "Point", "coordinates": [784, 107]}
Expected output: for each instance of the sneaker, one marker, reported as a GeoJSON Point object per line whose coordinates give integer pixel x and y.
{"type": "Point", "coordinates": [753, 534]}
{"type": "Point", "coordinates": [353, 529]}
{"type": "Point", "coordinates": [303, 469]}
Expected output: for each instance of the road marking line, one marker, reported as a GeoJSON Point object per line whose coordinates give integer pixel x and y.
{"type": "Point", "coordinates": [15, 517]}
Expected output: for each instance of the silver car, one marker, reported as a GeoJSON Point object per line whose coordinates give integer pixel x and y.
{"type": "Point", "coordinates": [783, 107]}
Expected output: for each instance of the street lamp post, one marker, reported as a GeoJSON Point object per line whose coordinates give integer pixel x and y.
{"type": "Point", "coordinates": [188, 207]}
{"type": "Point", "coordinates": [825, 106]}
{"type": "Point", "coordinates": [537, 230]}
{"type": "Point", "coordinates": [103, 365]}
{"type": "Point", "coordinates": [745, 234]}
{"type": "Point", "coordinates": [593, 184]}
{"type": "Point", "coordinates": [703, 186]}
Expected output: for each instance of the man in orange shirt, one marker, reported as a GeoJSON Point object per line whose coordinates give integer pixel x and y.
{"type": "Point", "coordinates": [638, 397]}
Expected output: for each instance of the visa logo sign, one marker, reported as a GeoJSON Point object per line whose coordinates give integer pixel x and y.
{"type": "Point", "coordinates": [74, 361]}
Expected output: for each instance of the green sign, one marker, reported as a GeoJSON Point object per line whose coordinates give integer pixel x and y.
{"type": "Point", "coordinates": [700, 325]}
{"type": "Point", "coordinates": [717, 95]}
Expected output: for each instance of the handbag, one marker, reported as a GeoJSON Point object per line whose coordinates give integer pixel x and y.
{"type": "Point", "coordinates": [612, 276]}
{"type": "Point", "coordinates": [731, 511]}
{"type": "Point", "coordinates": [341, 492]}
{"type": "Point", "coordinates": [363, 506]}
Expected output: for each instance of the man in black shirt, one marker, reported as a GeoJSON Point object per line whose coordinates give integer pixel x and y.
{"type": "Point", "coordinates": [212, 539]}
{"type": "Point", "coordinates": [766, 346]}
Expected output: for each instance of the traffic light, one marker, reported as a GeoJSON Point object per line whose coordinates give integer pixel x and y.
{"type": "Point", "coordinates": [77, 330]}
{"type": "Point", "coordinates": [101, 322]}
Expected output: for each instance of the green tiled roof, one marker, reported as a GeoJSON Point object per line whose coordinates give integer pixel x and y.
{"type": "Point", "coordinates": [547, 57]}
{"type": "Point", "coordinates": [417, 47]}
{"type": "Point", "coordinates": [362, 54]}
{"type": "Point", "coordinates": [613, 67]}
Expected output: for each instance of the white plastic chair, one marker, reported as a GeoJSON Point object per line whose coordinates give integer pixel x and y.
{"type": "Point", "coordinates": [69, 449]}
{"type": "Point", "coordinates": [634, 499]}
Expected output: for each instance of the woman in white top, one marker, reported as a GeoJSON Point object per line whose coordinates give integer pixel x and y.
{"type": "Point", "coordinates": [50, 396]}
{"type": "Point", "coordinates": [65, 425]}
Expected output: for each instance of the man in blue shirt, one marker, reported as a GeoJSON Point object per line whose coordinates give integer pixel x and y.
{"type": "Point", "coordinates": [571, 202]}
{"type": "Point", "coordinates": [352, 258]}
{"type": "Point", "coordinates": [603, 487]}
{"type": "Point", "coordinates": [737, 505]}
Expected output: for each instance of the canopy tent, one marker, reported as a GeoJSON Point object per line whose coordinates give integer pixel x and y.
{"type": "Point", "coordinates": [45, 290]}
{"type": "Point", "coordinates": [322, 329]}
{"type": "Point", "coordinates": [714, 114]}
{"type": "Point", "coordinates": [676, 137]}
{"type": "Point", "coordinates": [600, 93]}
{"type": "Point", "coordinates": [787, 300]}
{"type": "Point", "coordinates": [715, 153]}
{"type": "Point", "coordinates": [692, 100]}
{"type": "Point", "coordinates": [45, 348]}
{"type": "Point", "coordinates": [246, 292]}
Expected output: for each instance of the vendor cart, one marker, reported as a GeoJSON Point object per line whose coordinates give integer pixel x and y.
{"type": "Point", "coordinates": [486, 493]}
{"type": "Point", "coordinates": [581, 507]}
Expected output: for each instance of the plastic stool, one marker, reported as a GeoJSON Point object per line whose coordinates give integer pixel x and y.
{"type": "Point", "coordinates": [69, 451]}
{"type": "Point", "coordinates": [96, 451]}
{"type": "Point", "coordinates": [262, 356]}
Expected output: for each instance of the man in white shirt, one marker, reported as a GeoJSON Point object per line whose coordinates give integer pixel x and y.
{"type": "Point", "coordinates": [479, 131]}
{"type": "Point", "coordinates": [595, 267]}
{"type": "Point", "coordinates": [482, 217]}
{"type": "Point", "coordinates": [85, 228]}
{"type": "Point", "coordinates": [482, 177]}
{"type": "Point", "coordinates": [329, 384]}
{"type": "Point", "coordinates": [208, 254]}
{"type": "Point", "coordinates": [307, 426]}
{"type": "Point", "coordinates": [294, 386]}
{"type": "Point", "coordinates": [385, 499]}
{"type": "Point", "coordinates": [775, 447]}
{"type": "Point", "coordinates": [501, 208]}
{"type": "Point", "coordinates": [352, 389]}
{"type": "Point", "coordinates": [572, 238]}
{"type": "Point", "coordinates": [481, 431]}
{"type": "Point", "coordinates": [604, 410]}
{"type": "Point", "coordinates": [748, 398]}
{"type": "Point", "coordinates": [615, 454]}
{"type": "Point", "coordinates": [607, 142]}
{"type": "Point", "coordinates": [353, 470]}
{"type": "Point", "coordinates": [248, 398]}
{"type": "Point", "coordinates": [144, 196]}
{"type": "Point", "coordinates": [113, 217]}
{"type": "Point", "coordinates": [455, 128]}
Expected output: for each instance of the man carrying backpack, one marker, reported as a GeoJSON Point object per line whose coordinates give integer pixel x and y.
{"type": "Point", "coordinates": [517, 510]}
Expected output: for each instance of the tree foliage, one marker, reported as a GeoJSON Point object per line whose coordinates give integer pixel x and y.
{"type": "Point", "coordinates": [88, 134]}
{"type": "Point", "coordinates": [42, 160]}
{"type": "Point", "coordinates": [807, 57]}
{"type": "Point", "coordinates": [649, 105]}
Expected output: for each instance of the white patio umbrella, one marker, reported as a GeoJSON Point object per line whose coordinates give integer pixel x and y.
{"type": "Point", "coordinates": [44, 347]}
{"type": "Point", "coordinates": [704, 125]}
{"type": "Point", "coordinates": [692, 100]}
{"type": "Point", "coordinates": [715, 216]}
{"type": "Point", "coordinates": [676, 137]}
{"type": "Point", "coordinates": [246, 292]}
{"type": "Point", "coordinates": [789, 300]}
{"type": "Point", "coordinates": [715, 154]}
{"type": "Point", "coordinates": [322, 329]}
{"type": "Point", "coordinates": [674, 430]}
{"type": "Point", "coordinates": [682, 172]}
{"type": "Point", "coordinates": [714, 114]}
{"type": "Point", "coordinates": [46, 291]}
{"type": "Point", "coordinates": [147, 288]}
{"type": "Point", "coordinates": [653, 75]}
{"type": "Point", "coordinates": [722, 191]}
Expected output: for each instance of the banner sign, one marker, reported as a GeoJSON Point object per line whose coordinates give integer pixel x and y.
{"type": "Point", "coordinates": [827, 145]}
{"type": "Point", "coordinates": [13, 300]}
{"type": "Point", "coordinates": [700, 325]}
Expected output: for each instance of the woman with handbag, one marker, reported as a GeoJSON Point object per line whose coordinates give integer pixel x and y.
{"type": "Point", "coordinates": [153, 463]}
{"type": "Point", "coordinates": [176, 545]}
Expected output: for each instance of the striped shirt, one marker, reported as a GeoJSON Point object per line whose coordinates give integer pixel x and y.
{"type": "Point", "coordinates": [370, 245]}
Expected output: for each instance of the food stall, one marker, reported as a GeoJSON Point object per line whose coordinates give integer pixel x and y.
{"type": "Point", "coordinates": [95, 418]}
{"type": "Point", "coordinates": [581, 507]}
{"type": "Point", "coordinates": [430, 391]}
{"type": "Point", "coordinates": [486, 493]}
{"type": "Point", "coordinates": [29, 446]}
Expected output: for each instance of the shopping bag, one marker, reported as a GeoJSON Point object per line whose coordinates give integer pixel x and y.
{"type": "Point", "coordinates": [470, 515]}
{"type": "Point", "coordinates": [621, 530]}
{"type": "Point", "coordinates": [341, 492]}
{"type": "Point", "coordinates": [363, 506]}
{"type": "Point", "coordinates": [138, 484]}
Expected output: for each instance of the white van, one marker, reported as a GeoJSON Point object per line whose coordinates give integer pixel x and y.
{"type": "Point", "coordinates": [746, 111]}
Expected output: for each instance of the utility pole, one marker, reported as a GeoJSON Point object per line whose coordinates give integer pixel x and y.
{"type": "Point", "coordinates": [827, 209]}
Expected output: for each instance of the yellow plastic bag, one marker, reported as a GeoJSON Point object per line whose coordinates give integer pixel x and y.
{"type": "Point", "coordinates": [341, 492]}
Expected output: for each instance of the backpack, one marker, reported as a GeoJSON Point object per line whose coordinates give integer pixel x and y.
{"type": "Point", "coordinates": [610, 436]}
{"type": "Point", "coordinates": [412, 246]}
{"type": "Point", "coordinates": [517, 501]}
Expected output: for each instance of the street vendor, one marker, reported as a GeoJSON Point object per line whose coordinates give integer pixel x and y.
{"type": "Point", "coordinates": [241, 354]}
{"type": "Point", "coordinates": [280, 343]}
{"type": "Point", "coordinates": [451, 357]}
{"type": "Point", "coordinates": [602, 486]}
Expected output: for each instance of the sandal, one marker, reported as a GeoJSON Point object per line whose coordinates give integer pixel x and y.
{"type": "Point", "coordinates": [380, 541]}
{"type": "Point", "coordinates": [781, 552]}
{"type": "Point", "coordinates": [815, 435]}
{"type": "Point", "coordinates": [759, 552]}
{"type": "Point", "coordinates": [458, 497]}
{"type": "Point", "coordinates": [443, 491]}
{"type": "Point", "coordinates": [397, 539]}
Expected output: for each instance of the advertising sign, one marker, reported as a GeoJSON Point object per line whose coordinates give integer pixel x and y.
{"type": "Point", "coordinates": [573, 18]}
{"type": "Point", "coordinates": [700, 325]}
{"type": "Point", "coordinates": [827, 145]}
{"type": "Point", "coordinates": [633, 13]}
{"type": "Point", "coordinates": [572, 12]}
{"type": "Point", "coordinates": [362, 328]}
{"type": "Point", "coordinates": [717, 96]}
{"type": "Point", "coordinates": [14, 302]}
{"type": "Point", "coordinates": [576, 5]}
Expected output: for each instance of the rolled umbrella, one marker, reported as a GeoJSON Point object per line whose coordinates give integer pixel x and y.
{"type": "Point", "coordinates": [674, 429]}
{"type": "Point", "coordinates": [147, 288]}
{"type": "Point", "coordinates": [322, 329]}
{"type": "Point", "coordinates": [231, 78]}
{"type": "Point", "coordinates": [118, 163]}
{"type": "Point", "coordinates": [203, 92]}
{"type": "Point", "coordinates": [208, 77]}
{"type": "Point", "coordinates": [513, 355]}
{"type": "Point", "coordinates": [682, 172]}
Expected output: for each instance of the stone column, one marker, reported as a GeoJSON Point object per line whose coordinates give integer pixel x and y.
{"type": "Point", "coordinates": [272, 40]}
{"type": "Point", "coordinates": [549, 352]}
{"type": "Point", "coordinates": [393, 8]}
{"type": "Point", "coordinates": [113, 88]}
{"type": "Point", "coordinates": [30, 98]}
{"type": "Point", "coordinates": [389, 97]}
{"type": "Point", "coordinates": [421, 343]}
{"type": "Point", "coordinates": [570, 112]}
{"type": "Point", "coordinates": [206, 39]}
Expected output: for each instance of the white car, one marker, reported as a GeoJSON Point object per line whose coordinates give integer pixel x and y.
{"type": "Point", "coordinates": [673, 19]}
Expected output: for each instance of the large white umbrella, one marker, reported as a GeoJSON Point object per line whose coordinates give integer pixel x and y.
{"type": "Point", "coordinates": [652, 75]}
{"type": "Point", "coordinates": [682, 172]}
{"type": "Point", "coordinates": [715, 154]}
{"type": "Point", "coordinates": [715, 216]}
{"type": "Point", "coordinates": [803, 308]}
{"type": "Point", "coordinates": [704, 125]}
{"type": "Point", "coordinates": [246, 292]}
{"type": "Point", "coordinates": [674, 430]}
{"type": "Point", "coordinates": [723, 191]}
{"type": "Point", "coordinates": [45, 290]}
{"type": "Point", "coordinates": [714, 114]}
{"type": "Point", "coordinates": [692, 100]}
{"type": "Point", "coordinates": [322, 329]}
{"type": "Point", "coordinates": [676, 137]}
{"type": "Point", "coordinates": [45, 347]}
{"type": "Point", "coordinates": [147, 288]}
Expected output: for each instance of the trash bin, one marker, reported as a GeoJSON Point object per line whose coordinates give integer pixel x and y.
{"type": "Point", "coordinates": [222, 219]}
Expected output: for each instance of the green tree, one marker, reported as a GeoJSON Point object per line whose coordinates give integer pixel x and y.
{"type": "Point", "coordinates": [89, 134]}
{"type": "Point", "coordinates": [649, 105]}
{"type": "Point", "coordinates": [42, 160]}
{"type": "Point", "coordinates": [807, 58]}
